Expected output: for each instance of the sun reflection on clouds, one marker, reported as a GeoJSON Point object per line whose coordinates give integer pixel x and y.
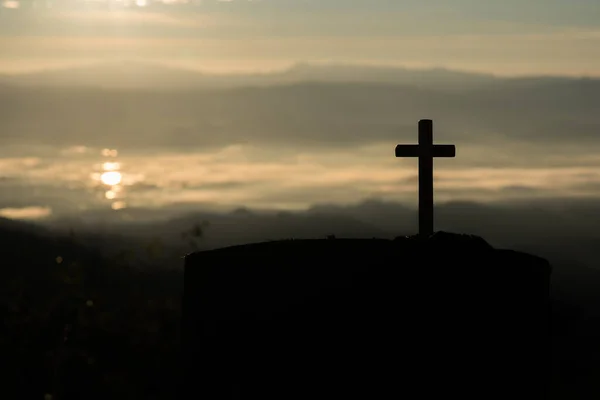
{"type": "Point", "coordinates": [111, 166]}
{"type": "Point", "coordinates": [18, 165]}
{"type": "Point", "coordinates": [118, 205]}
{"type": "Point", "coordinates": [110, 153]}
{"type": "Point", "coordinates": [239, 175]}
{"type": "Point", "coordinates": [111, 178]}
{"type": "Point", "coordinates": [26, 213]}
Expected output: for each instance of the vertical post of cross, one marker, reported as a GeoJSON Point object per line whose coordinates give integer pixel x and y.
{"type": "Point", "coordinates": [426, 177]}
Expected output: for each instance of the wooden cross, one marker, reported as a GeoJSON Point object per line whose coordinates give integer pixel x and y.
{"type": "Point", "coordinates": [425, 151]}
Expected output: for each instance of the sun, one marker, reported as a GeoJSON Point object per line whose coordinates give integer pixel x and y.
{"type": "Point", "coordinates": [111, 178]}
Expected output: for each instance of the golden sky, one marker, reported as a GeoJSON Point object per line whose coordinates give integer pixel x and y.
{"type": "Point", "coordinates": [553, 39]}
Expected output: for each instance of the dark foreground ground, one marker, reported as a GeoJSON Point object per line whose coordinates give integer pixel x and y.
{"type": "Point", "coordinates": [366, 318]}
{"type": "Point", "coordinates": [122, 327]}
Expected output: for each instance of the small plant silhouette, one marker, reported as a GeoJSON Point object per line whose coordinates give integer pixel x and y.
{"type": "Point", "coordinates": [195, 234]}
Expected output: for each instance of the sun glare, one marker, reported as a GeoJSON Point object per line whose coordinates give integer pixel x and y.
{"type": "Point", "coordinates": [111, 166]}
{"type": "Point", "coordinates": [111, 178]}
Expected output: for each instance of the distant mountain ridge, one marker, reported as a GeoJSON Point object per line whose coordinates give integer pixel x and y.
{"type": "Point", "coordinates": [137, 74]}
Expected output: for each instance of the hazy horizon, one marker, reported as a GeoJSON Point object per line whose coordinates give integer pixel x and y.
{"type": "Point", "coordinates": [228, 68]}
{"type": "Point", "coordinates": [323, 131]}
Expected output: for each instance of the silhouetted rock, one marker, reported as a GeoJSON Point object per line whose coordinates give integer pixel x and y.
{"type": "Point", "coordinates": [445, 315]}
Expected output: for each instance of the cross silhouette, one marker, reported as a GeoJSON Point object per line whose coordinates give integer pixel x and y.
{"type": "Point", "coordinates": [425, 151]}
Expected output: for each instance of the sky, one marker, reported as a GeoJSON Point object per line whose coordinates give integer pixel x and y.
{"type": "Point", "coordinates": [511, 37]}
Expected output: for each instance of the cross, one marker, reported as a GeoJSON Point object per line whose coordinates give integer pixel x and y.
{"type": "Point", "coordinates": [425, 151]}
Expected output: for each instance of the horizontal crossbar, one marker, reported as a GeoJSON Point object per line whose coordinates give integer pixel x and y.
{"type": "Point", "coordinates": [414, 150]}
